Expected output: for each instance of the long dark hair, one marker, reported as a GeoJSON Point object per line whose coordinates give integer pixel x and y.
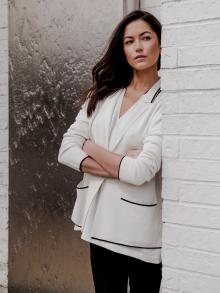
{"type": "Point", "coordinates": [113, 72]}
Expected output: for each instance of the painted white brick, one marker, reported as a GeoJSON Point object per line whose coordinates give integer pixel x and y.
{"type": "Point", "coordinates": [3, 16]}
{"type": "Point", "coordinates": [4, 178]}
{"type": "Point", "coordinates": [199, 55]}
{"type": "Point", "coordinates": [170, 13]}
{"type": "Point", "coordinates": [195, 283]}
{"type": "Point", "coordinates": [192, 260]}
{"type": "Point", "coordinates": [191, 124]}
{"type": "Point", "coordinates": [170, 103]}
{"type": "Point", "coordinates": [3, 167]}
{"type": "Point", "coordinates": [200, 239]}
{"type": "Point", "coordinates": [3, 124]}
{"type": "Point", "coordinates": [190, 56]}
{"type": "Point", "coordinates": [191, 102]}
{"type": "Point", "coordinates": [170, 188]}
{"type": "Point", "coordinates": [3, 276]}
{"type": "Point", "coordinates": [199, 102]}
{"type": "Point", "coordinates": [4, 112]}
{"type": "Point", "coordinates": [199, 192]}
{"type": "Point", "coordinates": [169, 57]}
{"type": "Point", "coordinates": [170, 235]}
{"type": "Point", "coordinates": [171, 279]}
{"type": "Point", "coordinates": [3, 218]}
{"type": "Point", "coordinates": [4, 33]}
{"type": "Point", "coordinates": [4, 246]}
{"type": "Point", "coordinates": [3, 48]}
{"type": "Point", "coordinates": [189, 35]}
{"type": "Point", "coordinates": [191, 170]}
{"type": "Point", "coordinates": [4, 196]}
{"type": "Point", "coordinates": [170, 147]}
{"type": "Point", "coordinates": [204, 148]}
{"type": "Point", "coordinates": [3, 78]}
{"type": "Point", "coordinates": [191, 79]}
{"type": "Point", "coordinates": [4, 66]}
{"type": "Point", "coordinates": [192, 215]}
{"type": "Point", "coordinates": [185, 11]}
{"type": "Point", "coordinates": [192, 238]}
{"type": "Point", "coordinates": [194, 192]}
{"type": "Point", "coordinates": [4, 158]}
{"type": "Point", "coordinates": [3, 89]}
{"type": "Point", "coordinates": [3, 141]}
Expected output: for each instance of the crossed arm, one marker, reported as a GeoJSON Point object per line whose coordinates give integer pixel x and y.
{"type": "Point", "coordinates": [102, 162]}
{"type": "Point", "coordinates": [133, 168]}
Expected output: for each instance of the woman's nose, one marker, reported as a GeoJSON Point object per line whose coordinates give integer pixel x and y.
{"type": "Point", "coordinates": [138, 46]}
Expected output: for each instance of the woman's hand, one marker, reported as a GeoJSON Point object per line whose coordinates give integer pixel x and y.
{"type": "Point", "coordinates": [87, 146]}
{"type": "Point", "coordinates": [133, 153]}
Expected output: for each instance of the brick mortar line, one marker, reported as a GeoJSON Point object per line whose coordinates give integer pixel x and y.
{"type": "Point", "coordinates": [191, 271]}
{"type": "Point", "coordinates": [193, 204]}
{"type": "Point", "coordinates": [188, 180]}
{"type": "Point", "coordinates": [199, 22]}
{"type": "Point", "coordinates": [199, 228]}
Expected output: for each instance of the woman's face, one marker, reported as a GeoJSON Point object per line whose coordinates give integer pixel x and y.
{"type": "Point", "coordinates": [141, 45]}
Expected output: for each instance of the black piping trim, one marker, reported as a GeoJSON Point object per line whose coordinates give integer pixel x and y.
{"type": "Point", "coordinates": [140, 204]}
{"type": "Point", "coordinates": [80, 166]}
{"type": "Point", "coordinates": [119, 167]}
{"type": "Point", "coordinates": [126, 244]}
{"type": "Point", "coordinates": [155, 95]}
{"type": "Point", "coordinates": [83, 187]}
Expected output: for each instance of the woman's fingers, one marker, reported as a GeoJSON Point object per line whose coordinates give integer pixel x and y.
{"type": "Point", "coordinates": [134, 153]}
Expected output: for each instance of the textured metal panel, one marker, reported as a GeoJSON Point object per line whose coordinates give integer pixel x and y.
{"type": "Point", "coordinates": [52, 46]}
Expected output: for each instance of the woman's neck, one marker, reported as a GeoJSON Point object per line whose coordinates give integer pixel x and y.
{"type": "Point", "coordinates": [144, 79]}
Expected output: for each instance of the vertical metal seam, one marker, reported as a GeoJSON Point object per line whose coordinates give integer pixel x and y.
{"type": "Point", "coordinates": [129, 5]}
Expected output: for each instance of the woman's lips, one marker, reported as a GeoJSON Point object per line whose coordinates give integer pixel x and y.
{"type": "Point", "coordinates": [140, 57]}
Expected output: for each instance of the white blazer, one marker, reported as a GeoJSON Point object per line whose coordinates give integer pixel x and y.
{"type": "Point", "coordinates": [129, 209]}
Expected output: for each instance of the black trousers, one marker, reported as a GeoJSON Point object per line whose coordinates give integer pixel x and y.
{"type": "Point", "coordinates": [111, 272]}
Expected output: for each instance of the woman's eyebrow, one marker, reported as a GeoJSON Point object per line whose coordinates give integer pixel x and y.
{"type": "Point", "coordinates": [139, 34]}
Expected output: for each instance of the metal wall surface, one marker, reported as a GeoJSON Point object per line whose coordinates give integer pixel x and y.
{"type": "Point", "coordinates": [52, 47]}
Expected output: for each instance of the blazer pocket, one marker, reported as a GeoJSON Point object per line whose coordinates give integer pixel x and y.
{"type": "Point", "coordinates": [144, 195]}
{"type": "Point", "coordinates": [80, 203]}
{"type": "Point", "coordinates": [138, 203]}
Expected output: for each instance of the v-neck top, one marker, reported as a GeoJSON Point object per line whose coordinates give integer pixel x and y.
{"type": "Point", "coordinates": [132, 108]}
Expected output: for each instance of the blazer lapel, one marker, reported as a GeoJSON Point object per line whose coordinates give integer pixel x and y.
{"type": "Point", "coordinates": [130, 118]}
{"type": "Point", "coordinates": [110, 114]}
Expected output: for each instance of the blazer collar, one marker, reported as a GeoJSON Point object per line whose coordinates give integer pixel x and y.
{"type": "Point", "coordinates": [152, 91]}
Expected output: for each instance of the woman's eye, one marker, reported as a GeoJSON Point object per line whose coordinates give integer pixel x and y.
{"type": "Point", "coordinates": [147, 38]}
{"type": "Point", "coordinates": [128, 42]}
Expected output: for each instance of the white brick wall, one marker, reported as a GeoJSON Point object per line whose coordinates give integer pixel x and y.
{"type": "Point", "coordinates": [3, 145]}
{"type": "Point", "coordinates": [191, 145]}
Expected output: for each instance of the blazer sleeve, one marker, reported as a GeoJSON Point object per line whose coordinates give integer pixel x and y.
{"type": "Point", "coordinates": [139, 170]}
{"type": "Point", "coordinates": [70, 152]}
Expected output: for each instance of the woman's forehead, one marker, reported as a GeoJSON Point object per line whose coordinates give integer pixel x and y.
{"type": "Point", "coordinates": [137, 27]}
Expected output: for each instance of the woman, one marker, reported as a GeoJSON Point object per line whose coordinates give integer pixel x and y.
{"type": "Point", "coordinates": [116, 142]}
